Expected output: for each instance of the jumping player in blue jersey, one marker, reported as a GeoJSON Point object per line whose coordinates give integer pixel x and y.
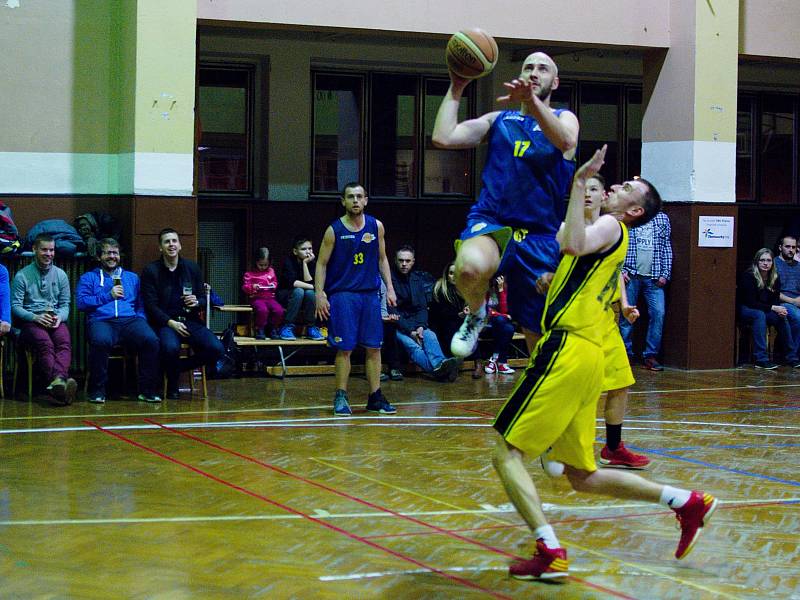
{"type": "Point", "coordinates": [525, 182]}
{"type": "Point", "coordinates": [351, 261]}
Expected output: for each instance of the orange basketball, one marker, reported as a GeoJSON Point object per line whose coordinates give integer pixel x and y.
{"type": "Point", "coordinates": [471, 53]}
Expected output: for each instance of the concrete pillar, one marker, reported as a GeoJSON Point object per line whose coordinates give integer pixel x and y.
{"type": "Point", "coordinates": [689, 153]}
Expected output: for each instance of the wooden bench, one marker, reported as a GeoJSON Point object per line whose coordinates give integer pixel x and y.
{"type": "Point", "coordinates": [281, 369]}
{"type": "Point", "coordinates": [289, 348]}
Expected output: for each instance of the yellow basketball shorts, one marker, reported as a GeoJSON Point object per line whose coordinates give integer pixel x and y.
{"type": "Point", "coordinates": [554, 404]}
{"type": "Point", "coordinates": [617, 372]}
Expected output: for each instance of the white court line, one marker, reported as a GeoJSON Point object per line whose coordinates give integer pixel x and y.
{"type": "Point", "coordinates": [340, 422]}
{"type": "Point", "coordinates": [327, 406]}
{"type": "Point", "coordinates": [486, 509]}
{"type": "Point", "coordinates": [713, 424]}
{"type": "Point", "coordinates": [374, 574]}
{"type": "Point", "coordinates": [718, 389]}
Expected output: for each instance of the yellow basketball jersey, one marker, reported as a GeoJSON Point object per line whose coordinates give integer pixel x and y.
{"type": "Point", "coordinates": [583, 289]}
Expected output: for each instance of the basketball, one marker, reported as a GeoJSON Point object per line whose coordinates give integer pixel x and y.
{"type": "Point", "coordinates": [471, 53]}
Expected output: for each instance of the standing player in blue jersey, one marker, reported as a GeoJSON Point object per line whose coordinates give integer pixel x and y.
{"type": "Point", "coordinates": [512, 227]}
{"type": "Point", "coordinates": [351, 261]}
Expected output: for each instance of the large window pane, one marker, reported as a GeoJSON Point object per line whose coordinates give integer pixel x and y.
{"type": "Point", "coordinates": [444, 171]}
{"type": "Point", "coordinates": [337, 131]}
{"type": "Point", "coordinates": [777, 149]}
{"type": "Point", "coordinates": [563, 97]}
{"type": "Point", "coordinates": [633, 134]}
{"type": "Point", "coordinates": [744, 149]}
{"type": "Point", "coordinates": [393, 135]}
{"type": "Point", "coordinates": [224, 114]}
{"type": "Point", "coordinates": [599, 117]}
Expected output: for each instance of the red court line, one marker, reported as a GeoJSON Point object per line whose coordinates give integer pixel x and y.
{"type": "Point", "coordinates": [416, 521]}
{"type": "Point", "coordinates": [477, 412]}
{"type": "Point", "coordinates": [294, 511]}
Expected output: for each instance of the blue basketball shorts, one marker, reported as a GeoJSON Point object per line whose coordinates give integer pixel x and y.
{"type": "Point", "coordinates": [355, 320]}
{"type": "Point", "coordinates": [524, 258]}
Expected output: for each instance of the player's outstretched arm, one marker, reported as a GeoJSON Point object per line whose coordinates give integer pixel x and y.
{"type": "Point", "coordinates": [448, 133]}
{"type": "Point", "coordinates": [575, 237]}
{"type": "Point", "coordinates": [561, 131]}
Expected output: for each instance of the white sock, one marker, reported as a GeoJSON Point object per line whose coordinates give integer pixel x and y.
{"type": "Point", "coordinates": [674, 497]}
{"type": "Point", "coordinates": [546, 533]}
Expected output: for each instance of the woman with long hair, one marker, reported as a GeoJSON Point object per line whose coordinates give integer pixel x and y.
{"type": "Point", "coordinates": [446, 311]}
{"type": "Point", "coordinates": [759, 306]}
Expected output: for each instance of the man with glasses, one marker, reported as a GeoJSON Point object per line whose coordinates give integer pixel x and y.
{"type": "Point", "coordinates": [109, 295]}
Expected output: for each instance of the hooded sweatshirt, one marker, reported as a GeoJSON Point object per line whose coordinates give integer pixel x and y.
{"type": "Point", "coordinates": [93, 295]}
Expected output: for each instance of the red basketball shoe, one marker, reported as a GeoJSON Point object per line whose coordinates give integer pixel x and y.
{"type": "Point", "coordinates": [622, 457]}
{"type": "Point", "coordinates": [692, 517]}
{"type": "Point", "coordinates": [546, 563]}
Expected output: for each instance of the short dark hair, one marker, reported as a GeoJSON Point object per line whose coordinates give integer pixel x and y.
{"type": "Point", "coordinates": [165, 231]}
{"type": "Point", "coordinates": [299, 240]}
{"type": "Point", "coordinates": [782, 239]}
{"type": "Point", "coordinates": [651, 203]}
{"type": "Point", "coordinates": [406, 248]}
{"type": "Point", "coordinates": [599, 178]}
{"type": "Point", "coordinates": [262, 254]}
{"type": "Point", "coordinates": [111, 242]}
{"type": "Point", "coordinates": [42, 237]}
{"type": "Point", "coordinates": [352, 184]}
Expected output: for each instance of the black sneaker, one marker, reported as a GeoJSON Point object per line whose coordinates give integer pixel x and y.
{"type": "Point", "coordinates": [766, 364]}
{"type": "Point", "coordinates": [153, 397]}
{"type": "Point", "coordinates": [377, 403]}
{"type": "Point", "coordinates": [447, 368]}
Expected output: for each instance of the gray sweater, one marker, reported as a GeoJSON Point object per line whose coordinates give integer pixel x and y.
{"type": "Point", "coordinates": [32, 291]}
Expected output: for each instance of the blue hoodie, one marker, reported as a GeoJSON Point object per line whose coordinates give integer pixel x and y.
{"type": "Point", "coordinates": [93, 296]}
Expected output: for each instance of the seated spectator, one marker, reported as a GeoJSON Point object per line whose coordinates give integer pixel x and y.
{"type": "Point", "coordinates": [758, 300]}
{"type": "Point", "coordinates": [260, 286]}
{"type": "Point", "coordinates": [500, 327]}
{"type": "Point", "coordinates": [447, 308]}
{"type": "Point", "coordinates": [40, 299]}
{"type": "Point", "coordinates": [297, 289]}
{"type": "Point", "coordinates": [109, 295]}
{"type": "Point", "coordinates": [446, 313]}
{"type": "Point", "coordinates": [412, 289]}
{"type": "Point", "coordinates": [5, 303]}
{"type": "Point", "coordinates": [390, 350]}
{"type": "Point", "coordinates": [789, 273]}
{"type": "Point", "coordinates": [170, 289]}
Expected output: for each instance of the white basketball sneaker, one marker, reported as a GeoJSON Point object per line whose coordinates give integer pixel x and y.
{"type": "Point", "coordinates": [465, 339]}
{"type": "Point", "coordinates": [553, 468]}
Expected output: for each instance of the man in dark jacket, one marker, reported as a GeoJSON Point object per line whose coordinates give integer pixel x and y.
{"type": "Point", "coordinates": [110, 297]}
{"type": "Point", "coordinates": [171, 287]}
{"type": "Point", "coordinates": [413, 289]}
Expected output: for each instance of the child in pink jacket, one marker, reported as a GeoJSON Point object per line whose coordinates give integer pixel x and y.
{"type": "Point", "coordinates": [260, 286]}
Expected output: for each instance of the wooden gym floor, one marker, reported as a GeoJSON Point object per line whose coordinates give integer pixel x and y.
{"type": "Point", "coordinates": [259, 492]}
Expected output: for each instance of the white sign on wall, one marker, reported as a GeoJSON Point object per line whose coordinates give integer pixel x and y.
{"type": "Point", "coordinates": [716, 232]}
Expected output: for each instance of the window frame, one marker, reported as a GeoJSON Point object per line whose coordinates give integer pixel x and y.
{"type": "Point", "coordinates": [366, 156]}
{"type": "Point", "coordinates": [251, 68]}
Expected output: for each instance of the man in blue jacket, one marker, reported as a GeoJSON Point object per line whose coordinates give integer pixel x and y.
{"type": "Point", "coordinates": [109, 296]}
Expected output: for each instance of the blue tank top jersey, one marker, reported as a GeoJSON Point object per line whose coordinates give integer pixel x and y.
{"type": "Point", "coordinates": [526, 179]}
{"type": "Point", "coordinates": [353, 266]}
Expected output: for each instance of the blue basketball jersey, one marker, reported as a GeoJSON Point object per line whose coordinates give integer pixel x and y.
{"type": "Point", "coordinates": [353, 266]}
{"type": "Point", "coordinates": [526, 179]}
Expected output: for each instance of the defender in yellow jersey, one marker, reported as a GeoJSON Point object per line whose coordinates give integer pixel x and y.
{"type": "Point", "coordinates": [617, 374]}
{"type": "Point", "coordinates": [555, 402]}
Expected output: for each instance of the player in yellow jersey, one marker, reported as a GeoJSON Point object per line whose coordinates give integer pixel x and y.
{"type": "Point", "coordinates": [554, 403]}
{"type": "Point", "coordinates": [617, 375]}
